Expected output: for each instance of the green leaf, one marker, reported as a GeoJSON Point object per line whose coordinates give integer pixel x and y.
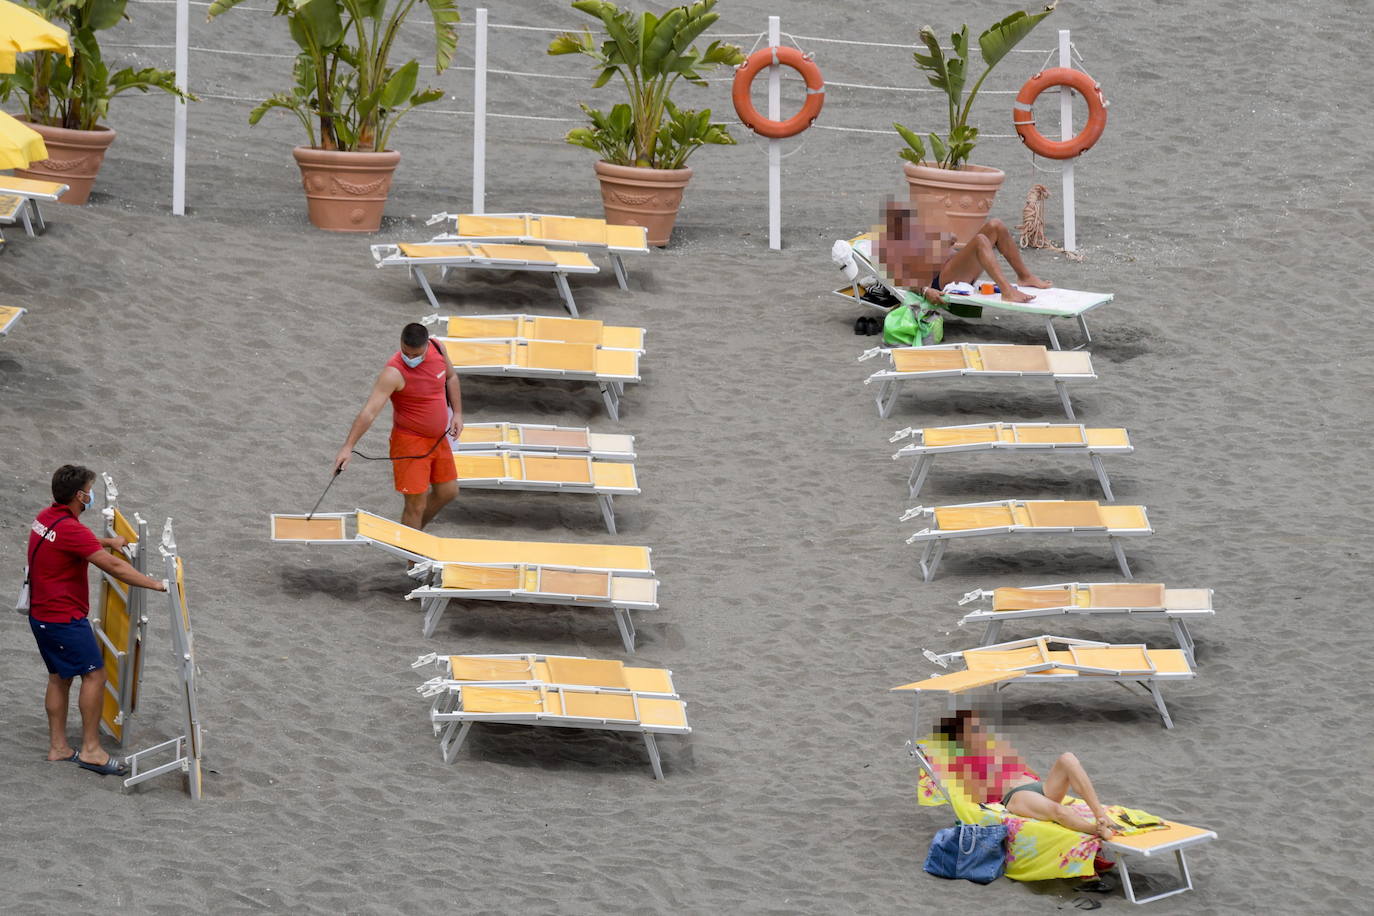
{"type": "Point", "coordinates": [917, 148]}
{"type": "Point", "coordinates": [572, 43]}
{"type": "Point", "coordinates": [934, 61]}
{"type": "Point", "coordinates": [1002, 36]}
{"type": "Point", "coordinates": [220, 6]}
{"type": "Point", "coordinates": [937, 146]}
{"type": "Point", "coordinates": [425, 97]}
{"type": "Point", "coordinates": [446, 17]}
{"type": "Point", "coordinates": [103, 14]}
{"type": "Point", "coordinates": [401, 85]}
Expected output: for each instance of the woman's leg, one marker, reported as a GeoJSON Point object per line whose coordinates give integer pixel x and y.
{"type": "Point", "coordinates": [1067, 773]}
{"type": "Point", "coordinates": [1027, 803]}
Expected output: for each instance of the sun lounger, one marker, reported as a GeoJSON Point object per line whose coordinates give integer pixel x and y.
{"type": "Point", "coordinates": [538, 572]}
{"type": "Point", "coordinates": [451, 256]}
{"type": "Point", "coordinates": [120, 624]}
{"type": "Point", "coordinates": [19, 199]}
{"type": "Point", "coordinates": [1011, 437]}
{"type": "Point", "coordinates": [534, 327]}
{"type": "Point", "coordinates": [548, 440]}
{"type": "Point", "coordinates": [1038, 850]}
{"type": "Point", "coordinates": [856, 256]}
{"type": "Point", "coordinates": [9, 317]}
{"type": "Point", "coordinates": [1092, 599]}
{"type": "Point", "coordinates": [526, 670]}
{"type": "Point", "coordinates": [514, 470]}
{"type": "Point", "coordinates": [965, 360]}
{"type": "Point", "coordinates": [547, 359]}
{"type": "Point", "coordinates": [1079, 518]}
{"type": "Point", "coordinates": [589, 236]}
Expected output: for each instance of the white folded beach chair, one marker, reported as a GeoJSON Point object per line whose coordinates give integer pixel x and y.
{"type": "Point", "coordinates": [965, 360]}
{"type": "Point", "coordinates": [590, 236]}
{"type": "Point", "coordinates": [450, 256]}
{"type": "Point", "coordinates": [549, 440]}
{"type": "Point", "coordinates": [1091, 599]}
{"type": "Point", "coordinates": [19, 199]}
{"type": "Point", "coordinates": [1078, 518]}
{"type": "Point", "coordinates": [1018, 438]}
{"type": "Point", "coordinates": [523, 669]}
{"type": "Point", "coordinates": [620, 578]}
{"type": "Point", "coordinates": [855, 257]}
{"type": "Point", "coordinates": [535, 327]}
{"type": "Point", "coordinates": [548, 359]}
{"type": "Point", "coordinates": [9, 317]}
{"type": "Point", "coordinates": [516, 470]}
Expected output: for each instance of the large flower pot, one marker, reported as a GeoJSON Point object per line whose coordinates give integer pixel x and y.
{"type": "Point", "coordinates": [74, 158]}
{"type": "Point", "coordinates": [346, 192]}
{"type": "Point", "coordinates": [954, 200]}
{"type": "Point", "coordinates": [643, 197]}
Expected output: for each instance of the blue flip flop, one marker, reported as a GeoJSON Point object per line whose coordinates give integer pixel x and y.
{"type": "Point", "coordinates": [110, 767]}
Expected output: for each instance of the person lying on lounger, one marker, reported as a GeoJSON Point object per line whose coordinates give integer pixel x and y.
{"type": "Point", "coordinates": [990, 770]}
{"type": "Point", "coordinates": [925, 260]}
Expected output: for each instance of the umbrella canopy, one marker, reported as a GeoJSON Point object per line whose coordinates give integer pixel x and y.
{"type": "Point", "coordinates": [22, 29]}
{"type": "Point", "coordinates": [19, 144]}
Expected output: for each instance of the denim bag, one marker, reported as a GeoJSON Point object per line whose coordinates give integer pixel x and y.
{"type": "Point", "coordinates": [968, 851]}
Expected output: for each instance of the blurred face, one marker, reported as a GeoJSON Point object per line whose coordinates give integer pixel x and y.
{"type": "Point", "coordinates": [911, 252]}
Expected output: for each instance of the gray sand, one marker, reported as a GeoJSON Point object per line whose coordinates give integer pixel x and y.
{"type": "Point", "coordinates": [212, 364]}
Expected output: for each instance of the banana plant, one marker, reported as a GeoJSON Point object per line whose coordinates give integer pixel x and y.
{"type": "Point", "coordinates": [76, 94]}
{"type": "Point", "coordinates": [650, 54]}
{"type": "Point", "coordinates": [346, 93]}
{"type": "Point", "coordinates": [949, 74]}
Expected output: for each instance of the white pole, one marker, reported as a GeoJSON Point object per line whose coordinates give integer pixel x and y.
{"type": "Point", "coordinates": [179, 115]}
{"type": "Point", "coordinates": [1066, 133]}
{"type": "Point", "coordinates": [774, 146]}
{"type": "Point", "coordinates": [479, 115]}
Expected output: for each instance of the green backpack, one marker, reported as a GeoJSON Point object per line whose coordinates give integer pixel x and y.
{"type": "Point", "coordinates": [908, 327]}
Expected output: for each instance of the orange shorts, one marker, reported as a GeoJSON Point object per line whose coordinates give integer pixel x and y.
{"type": "Point", "coordinates": [414, 475]}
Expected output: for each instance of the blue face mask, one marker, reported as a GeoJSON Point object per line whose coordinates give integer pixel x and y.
{"type": "Point", "coordinates": [413, 361]}
{"type": "Point", "coordinates": [87, 500]}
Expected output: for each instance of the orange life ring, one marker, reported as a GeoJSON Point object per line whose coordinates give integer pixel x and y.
{"type": "Point", "coordinates": [744, 79]}
{"type": "Point", "coordinates": [1023, 117]}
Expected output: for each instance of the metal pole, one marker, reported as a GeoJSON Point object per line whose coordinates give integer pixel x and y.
{"type": "Point", "coordinates": [774, 146]}
{"type": "Point", "coordinates": [479, 115]}
{"type": "Point", "coordinates": [1066, 133]}
{"type": "Point", "coordinates": [179, 114]}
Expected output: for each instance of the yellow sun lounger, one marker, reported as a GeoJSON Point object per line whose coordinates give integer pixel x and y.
{"type": "Point", "coordinates": [965, 360]}
{"type": "Point", "coordinates": [573, 232]}
{"type": "Point", "coordinates": [450, 256]}
{"type": "Point", "coordinates": [549, 440]}
{"type": "Point", "coordinates": [515, 470]}
{"type": "Point", "coordinates": [609, 369]}
{"type": "Point", "coordinates": [19, 198]}
{"type": "Point", "coordinates": [9, 317]}
{"type": "Point", "coordinates": [527, 670]}
{"type": "Point", "coordinates": [539, 572]}
{"type": "Point", "coordinates": [536, 327]}
{"type": "Point", "coordinates": [1080, 518]}
{"type": "Point", "coordinates": [1078, 661]}
{"type": "Point", "coordinates": [1011, 437]}
{"type": "Point", "coordinates": [1092, 599]}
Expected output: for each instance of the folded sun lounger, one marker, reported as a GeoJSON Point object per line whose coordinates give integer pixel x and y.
{"type": "Point", "coordinates": [609, 369]}
{"type": "Point", "coordinates": [549, 440]}
{"type": "Point", "coordinates": [9, 317]}
{"type": "Point", "coordinates": [450, 256]}
{"type": "Point", "coordinates": [856, 258]}
{"type": "Point", "coordinates": [19, 198]}
{"type": "Point", "coordinates": [516, 470]}
{"type": "Point", "coordinates": [533, 327]}
{"type": "Point", "coordinates": [964, 360]}
{"type": "Point", "coordinates": [1092, 599]}
{"type": "Point", "coordinates": [1011, 437]}
{"type": "Point", "coordinates": [620, 578]}
{"type": "Point", "coordinates": [553, 691]}
{"type": "Point", "coordinates": [1081, 518]}
{"type": "Point", "coordinates": [589, 236]}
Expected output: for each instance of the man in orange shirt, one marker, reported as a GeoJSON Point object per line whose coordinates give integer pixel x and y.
{"type": "Point", "coordinates": [426, 409]}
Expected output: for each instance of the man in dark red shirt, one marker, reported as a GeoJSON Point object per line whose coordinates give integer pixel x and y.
{"type": "Point", "coordinates": [426, 410]}
{"type": "Point", "coordinates": [60, 547]}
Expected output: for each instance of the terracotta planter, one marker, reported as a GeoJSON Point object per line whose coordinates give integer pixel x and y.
{"type": "Point", "coordinates": [643, 197]}
{"type": "Point", "coordinates": [346, 192]}
{"type": "Point", "coordinates": [955, 200]}
{"type": "Point", "coordinates": [74, 158]}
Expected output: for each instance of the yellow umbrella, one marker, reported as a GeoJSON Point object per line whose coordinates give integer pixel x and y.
{"type": "Point", "coordinates": [19, 144]}
{"type": "Point", "coordinates": [22, 29]}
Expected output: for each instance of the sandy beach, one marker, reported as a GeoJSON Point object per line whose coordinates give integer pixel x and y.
{"type": "Point", "coordinates": [211, 364]}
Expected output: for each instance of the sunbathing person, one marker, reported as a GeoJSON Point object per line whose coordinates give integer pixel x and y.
{"type": "Point", "coordinates": [926, 260]}
{"type": "Point", "coordinates": [990, 770]}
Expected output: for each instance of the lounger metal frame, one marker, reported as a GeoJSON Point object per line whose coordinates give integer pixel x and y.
{"type": "Point", "coordinates": [9, 319]}
{"type": "Point", "coordinates": [29, 214]}
{"type": "Point", "coordinates": [435, 684]}
{"type": "Point", "coordinates": [892, 380]}
{"type": "Point", "coordinates": [925, 454]}
{"type": "Point", "coordinates": [935, 539]}
{"type": "Point", "coordinates": [390, 255]}
{"type": "Point", "coordinates": [612, 389]}
{"type": "Point", "coordinates": [604, 494]}
{"type": "Point", "coordinates": [438, 328]}
{"type": "Point", "coordinates": [612, 251]}
{"type": "Point", "coordinates": [603, 446]}
{"type": "Point", "coordinates": [1177, 617]}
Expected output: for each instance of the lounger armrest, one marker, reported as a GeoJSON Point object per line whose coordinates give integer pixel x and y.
{"type": "Point", "coordinates": [381, 252]}
{"type": "Point", "coordinates": [974, 595]}
{"type": "Point", "coordinates": [870, 353]}
{"type": "Point", "coordinates": [901, 434]}
{"type": "Point", "coordinates": [440, 217]}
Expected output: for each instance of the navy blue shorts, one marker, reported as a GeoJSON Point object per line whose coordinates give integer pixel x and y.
{"type": "Point", "coordinates": [68, 649]}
